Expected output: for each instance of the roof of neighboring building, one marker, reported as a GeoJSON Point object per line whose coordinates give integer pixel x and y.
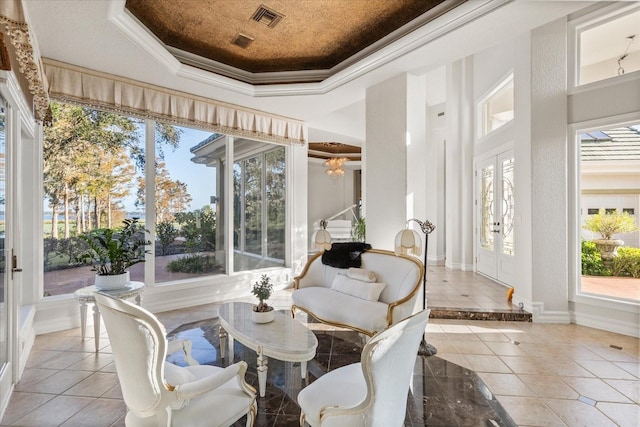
{"type": "Point", "coordinates": [621, 143]}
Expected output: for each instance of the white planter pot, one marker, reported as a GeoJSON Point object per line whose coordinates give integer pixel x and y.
{"type": "Point", "coordinates": [116, 281]}
{"type": "Point", "coordinates": [262, 316]}
{"type": "Point", "coordinates": [608, 248]}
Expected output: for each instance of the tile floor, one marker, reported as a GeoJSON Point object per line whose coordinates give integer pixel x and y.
{"type": "Point", "coordinates": [541, 374]}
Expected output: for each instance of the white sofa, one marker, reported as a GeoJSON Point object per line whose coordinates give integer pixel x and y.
{"type": "Point", "coordinates": [402, 276]}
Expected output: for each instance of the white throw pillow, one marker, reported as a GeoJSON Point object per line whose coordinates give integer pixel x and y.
{"type": "Point", "coordinates": [361, 274]}
{"type": "Point", "coordinates": [369, 291]}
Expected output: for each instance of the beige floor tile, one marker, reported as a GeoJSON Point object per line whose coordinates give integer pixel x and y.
{"type": "Point", "coordinates": [579, 352]}
{"type": "Point", "coordinates": [54, 412]}
{"type": "Point", "coordinates": [526, 365]}
{"type": "Point", "coordinates": [38, 357]}
{"type": "Point", "coordinates": [505, 384]}
{"type": "Point", "coordinates": [549, 386]}
{"type": "Point", "coordinates": [93, 362]}
{"type": "Point", "coordinates": [612, 354]}
{"type": "Point", "coordinates": [631, 389]}
{"type": "Point", "coordinates": [577, 414]}
{"type": "Point", "coordinates": [63, 360]}
{"type": "Point", "coordinates": [529, 411]}
{"type": "Point", "coordinates": [443, 346]}
{"type": "Point", "coordinates": [94, 386]}
{"type": "Point", "coordinates": [461, 336]}
{"type": "Point", "coordinates": [114, 393]}
{"type": "Point", "coordinates": [492, 337]}
{"type": "Point", "coordinates": [32, 376]}
{"type": "Point", "coordinates": [60, 381]}
{"type": "Point", "coordinates": [484, 363]}
{"type": "Point", "coordinates": [472, 347]}
{"type": "Point", "coordinates": [565, 367]}
{"type": "Point", "coordinates": [99, 413]}
{"type": "Point", "coordinates": [21, 404]}
{"type": "Point", "coordinates": [632, 367]}
{"type": "Point", "coordinates": [458, 359]}
{"type": "Point", "coordinates": [596, 389]}
{"type": "Point", "coordinates": [604, 369]}
{"type": "Point", "coordinates": [621, 413]}
{"type": "Point", "coordinates": [506, 349]}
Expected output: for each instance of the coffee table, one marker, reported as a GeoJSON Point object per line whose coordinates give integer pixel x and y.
{"type": "Point", "coordinates": [283, 339]}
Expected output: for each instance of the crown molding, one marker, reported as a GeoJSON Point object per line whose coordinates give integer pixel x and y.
{"type": "Point", "coordinates": [261, 84]}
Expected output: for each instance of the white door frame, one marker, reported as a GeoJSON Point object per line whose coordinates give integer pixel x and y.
{"type": "Point", "coordinates": [496, 263]}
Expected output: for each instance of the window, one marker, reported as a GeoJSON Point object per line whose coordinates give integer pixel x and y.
{"type": "Point", "coordinates": [608, 46]}
{"type": "Point", "coordinates": [259, 210]}
{"type": "Point", "coordinates": [95, 164]}
{"type": "Point", "coordinates": [497, 108]}
{"type": "Point", "coordinates": [609, 165]}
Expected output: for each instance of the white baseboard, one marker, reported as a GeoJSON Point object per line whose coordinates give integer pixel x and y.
{"type": "Point", "coordinates": [540, 315]}
{"type": "Point", "coordinates": [606, 323]}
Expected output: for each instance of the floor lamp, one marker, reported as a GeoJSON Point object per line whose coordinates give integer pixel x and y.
{"type": "Point", "coordinates": [409, 242]}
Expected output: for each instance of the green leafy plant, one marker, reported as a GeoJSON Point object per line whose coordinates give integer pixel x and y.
{"type": "Point", "coordinates": [592, 264]}
{"type": "Point", "coordinates": [359, 230]}
{"type": "Point", "coordinates": [194, 263]}
{"type": "Point", "coordinates": [609, 223]}
{"type": "Point", "coordinates": [113, 250]}
{"type": "Point", "coordinates": [627, 263]}
{"type": "Point", "coordinates": [262, 289]}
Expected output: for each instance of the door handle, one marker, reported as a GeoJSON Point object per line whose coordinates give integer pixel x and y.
{"type": "Point", "coordinates": [14, 265]}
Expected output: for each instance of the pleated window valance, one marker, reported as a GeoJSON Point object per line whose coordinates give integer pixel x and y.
{"type": "Point", "coordinates": [98, 90]}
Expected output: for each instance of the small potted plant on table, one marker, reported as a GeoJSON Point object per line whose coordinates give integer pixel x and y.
{"type": "Point", "coordinates": [262, 289]}
{"type": "Point", "coordinates": [112, 251]}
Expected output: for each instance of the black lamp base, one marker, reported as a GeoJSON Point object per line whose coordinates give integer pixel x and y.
{"type": "Point", "coordinates": [426, 349]}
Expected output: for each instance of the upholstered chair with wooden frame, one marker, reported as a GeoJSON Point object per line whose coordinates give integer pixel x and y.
{"type": "Point", "coordinates": [160, 394]}
{"type": "Point", "coordinates": [370, 393]}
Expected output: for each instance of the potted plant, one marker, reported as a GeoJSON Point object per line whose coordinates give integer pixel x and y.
{"type": "Point", "coordinates": [262, 289]}
{"type": "Point", "coordinates": [113, 250]}
{"type": "Point", "coordinates": [607, 224]}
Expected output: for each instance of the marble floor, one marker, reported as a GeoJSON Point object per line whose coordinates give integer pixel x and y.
{"type": "Point", "coordinates": [486, 373]}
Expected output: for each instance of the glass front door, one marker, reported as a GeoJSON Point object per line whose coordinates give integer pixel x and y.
{"type": "Point", "coordinates": [495, 217]}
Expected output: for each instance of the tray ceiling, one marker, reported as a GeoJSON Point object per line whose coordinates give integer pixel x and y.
{"type": "Point", "coordinates": [293, 41]}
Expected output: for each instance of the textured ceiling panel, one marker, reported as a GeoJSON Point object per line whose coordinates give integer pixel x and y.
{"type": "Point", "coordinates": [307, 35]}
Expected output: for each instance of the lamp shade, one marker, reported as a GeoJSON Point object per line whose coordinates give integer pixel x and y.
{"type": "Point", "coordinates": [321, 240]}
{"type": "Point", "coordinates": [408, 242]}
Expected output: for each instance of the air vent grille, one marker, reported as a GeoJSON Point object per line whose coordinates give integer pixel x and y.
{"type": "Point", "coordinates": [267, 16]}
{"type": "Point", "coordinates": [242, 40]}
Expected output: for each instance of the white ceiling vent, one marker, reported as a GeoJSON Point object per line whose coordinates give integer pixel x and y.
{"type": "Point", "coordinates": [242, 40]}
{"type": "Point", "coordinates": [266, 16]}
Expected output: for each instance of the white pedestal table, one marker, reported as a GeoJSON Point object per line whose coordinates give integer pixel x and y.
{"type": "Point", "coordinates": [283, 339]}
{"type": "Point", "coordinates": [87, 296]}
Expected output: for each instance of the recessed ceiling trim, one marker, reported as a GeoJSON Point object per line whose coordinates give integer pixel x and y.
{"type": "Point", "coordinates": [340, 75]}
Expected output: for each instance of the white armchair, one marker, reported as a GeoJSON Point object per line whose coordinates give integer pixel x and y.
{"type": "Point", "coordinates": [372, 392]}
{"type": "Point", "coordinates": [161, 394]}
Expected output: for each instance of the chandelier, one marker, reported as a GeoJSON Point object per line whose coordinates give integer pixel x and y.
{"type": "Point", "coordinates": [334, 166]}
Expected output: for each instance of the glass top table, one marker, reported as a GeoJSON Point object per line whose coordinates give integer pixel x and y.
{"type": "Point", "coordinates": [284, 338]}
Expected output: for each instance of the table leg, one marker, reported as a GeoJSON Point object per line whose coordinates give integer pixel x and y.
{"type": "Point", "coordinates": [96, 326]}
{"type": "Point", "coordinates": [262, 372]}
{"type": "Point", "coordinates": [83, 318]}
{"type": "Point", "coordinates": [222, 334]}
{"type": "Point", "coordinates": [303, 370]}
{"type": "Point", "coordinates": [139, 299]}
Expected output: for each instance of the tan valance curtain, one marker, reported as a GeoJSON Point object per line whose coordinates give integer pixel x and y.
{"type": "Point", "coordinates": [104, 91]}
{"type": "Point", "coordinates": [29, 65]}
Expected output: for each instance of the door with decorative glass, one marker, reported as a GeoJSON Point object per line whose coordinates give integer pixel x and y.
{"type": "Point", "coordinates": [495, 214]}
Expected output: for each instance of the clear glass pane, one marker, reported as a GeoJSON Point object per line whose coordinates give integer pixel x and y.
{"type": "Point", "coordinates": [609, 49]}
{"type": "Point", "coordinates": [186, 198]}
{"type": "Point", "coordinates": [508, 207]}
{"type": "Point", "coordinates": [487, 227]}
{"type": "Point", "coordinates": [276, 202]}
{"type": "Point", "coordinates": [253, 205]}
{"type": "Point", "coordinates": [93, 162]}
{"type": "Point", "coordinates": [498, 108]}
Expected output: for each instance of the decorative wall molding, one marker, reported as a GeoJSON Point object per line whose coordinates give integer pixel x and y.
{"type": "Point", "coordinates": [12, 17]}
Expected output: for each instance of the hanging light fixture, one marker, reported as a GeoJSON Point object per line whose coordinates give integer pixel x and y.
{"type": "Point", "coordinates": [334, 166]}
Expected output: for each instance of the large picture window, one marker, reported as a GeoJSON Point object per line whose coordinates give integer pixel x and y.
{"type": "Point", "coordinates": [609, 200]}
{"type": "Point", "coordinates": [96, 167]}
